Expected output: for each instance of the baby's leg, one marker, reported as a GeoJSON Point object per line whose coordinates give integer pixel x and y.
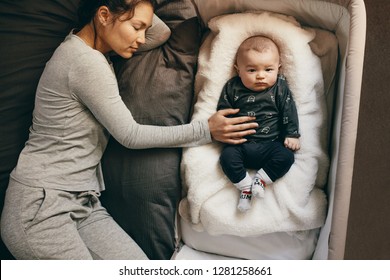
{"type": "Point", "coordinates": [276, 166]}
{"type": "Point", "coordinates": [279, 162]}
{"type": "Point", "coordinates": [232, 163]}
{"type": "Point", "coordinates": [244, 203]}
{"type": "Point", "coordinates": [272, 160]}
{"type": "Point", "coordinates": [258, 187]}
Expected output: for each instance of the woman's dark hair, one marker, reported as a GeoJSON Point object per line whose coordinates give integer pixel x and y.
{"type": "Point", "coordinates": [88, 8]}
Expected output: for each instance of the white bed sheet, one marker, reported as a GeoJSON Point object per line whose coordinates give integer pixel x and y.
{"type": "Point", "coordinates": [273, 246]}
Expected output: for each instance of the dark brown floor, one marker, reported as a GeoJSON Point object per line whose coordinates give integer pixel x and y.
{"type": "Point", "coordinates": [368, 235]}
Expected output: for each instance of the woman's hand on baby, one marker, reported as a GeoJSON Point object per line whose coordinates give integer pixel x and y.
{"type": "Point", "coordinates": [231, 130]}
{"type": "Point", "coordinates": [292, 143]}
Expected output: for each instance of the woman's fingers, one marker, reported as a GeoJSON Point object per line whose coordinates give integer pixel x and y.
{"type": "Point", "coordinates": [231, 130]}
{"type": "Point", "coordinates": [227, 112]}
{"type": "Point", "coordinates": [242, 121]}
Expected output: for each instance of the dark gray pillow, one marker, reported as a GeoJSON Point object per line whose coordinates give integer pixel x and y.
{"type": "Point", "coordinates": [143, 186]}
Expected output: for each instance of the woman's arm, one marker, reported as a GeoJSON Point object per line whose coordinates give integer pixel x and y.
{"type": "Point", "coordinates": [94, 84]}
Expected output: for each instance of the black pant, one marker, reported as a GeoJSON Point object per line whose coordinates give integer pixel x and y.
{"type": "Point", "coordinates": [272, 157]}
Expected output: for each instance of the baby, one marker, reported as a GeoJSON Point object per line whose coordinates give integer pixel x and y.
{"type": "Point", "coordinates": [259, 90]}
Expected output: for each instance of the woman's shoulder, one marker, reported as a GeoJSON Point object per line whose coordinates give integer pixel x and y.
{"type": "Point", "coordinates": [84, 63]}
{"type": "Point", "coordinates": [75, 50]}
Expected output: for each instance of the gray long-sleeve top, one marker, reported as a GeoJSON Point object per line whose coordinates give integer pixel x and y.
{"type": "Point", "coordinates": [77, 108]}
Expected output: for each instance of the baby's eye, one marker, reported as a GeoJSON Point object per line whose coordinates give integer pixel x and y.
{"type": "Point", "coordinates": [251, 70]}
{"type": "Point", "coordinates": [269, 69]}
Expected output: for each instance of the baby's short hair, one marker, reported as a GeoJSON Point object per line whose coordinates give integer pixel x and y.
{"type": "Point", "coordinates": [258, 43]}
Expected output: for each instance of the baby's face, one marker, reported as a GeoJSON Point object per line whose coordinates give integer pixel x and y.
{"type": "Point", "coordinates": [258, 71]}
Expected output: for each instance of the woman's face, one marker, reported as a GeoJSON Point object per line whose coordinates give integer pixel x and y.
{"type": "Point", "coordinates": [125, 35]}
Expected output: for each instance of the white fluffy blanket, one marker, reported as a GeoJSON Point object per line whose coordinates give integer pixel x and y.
{"type": "Point", "coordinates": [295, 202]}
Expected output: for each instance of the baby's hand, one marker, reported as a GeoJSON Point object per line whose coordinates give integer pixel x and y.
{"type": "Point", "coordinates": [292, 143]}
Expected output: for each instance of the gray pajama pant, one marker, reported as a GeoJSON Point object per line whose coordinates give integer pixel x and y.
{"type": "Point", "coordinates": [38, 223]}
